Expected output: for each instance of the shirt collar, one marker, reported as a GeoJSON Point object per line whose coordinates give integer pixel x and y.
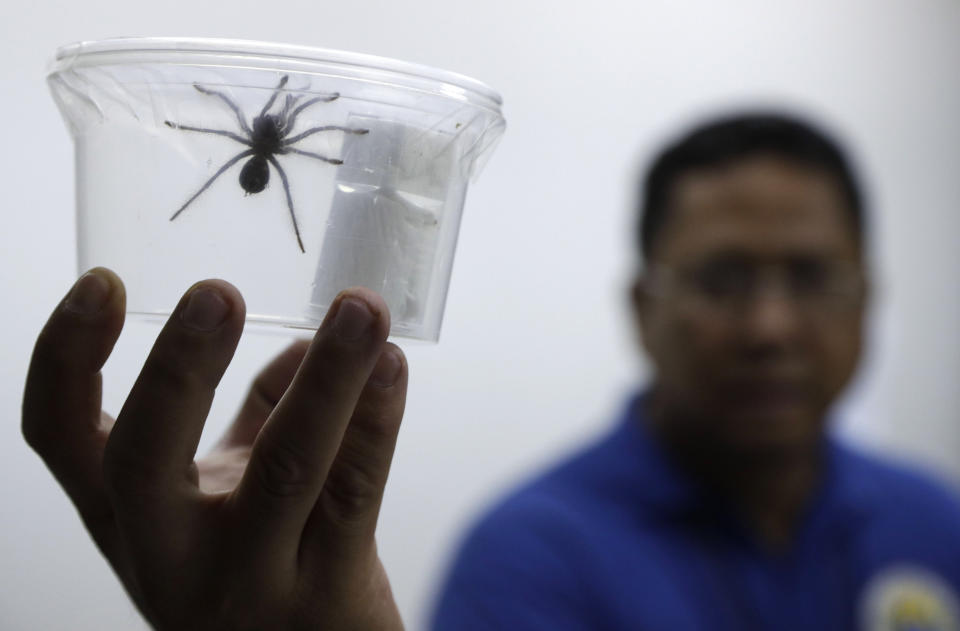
{"type": "Point", "coordinates": [663, 488]}
{"type": "Point", "coordinates": [661, 485]}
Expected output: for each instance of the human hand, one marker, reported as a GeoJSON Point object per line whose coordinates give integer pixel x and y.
{"type": "Point", "coordinates": [276, 529]}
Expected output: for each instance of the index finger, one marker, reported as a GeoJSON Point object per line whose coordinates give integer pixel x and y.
{"type": "Point", "coordinates": [293, 453]}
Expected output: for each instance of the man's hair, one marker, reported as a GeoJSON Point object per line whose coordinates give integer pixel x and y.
{"type": "Point", "coordinates": [734, 138]}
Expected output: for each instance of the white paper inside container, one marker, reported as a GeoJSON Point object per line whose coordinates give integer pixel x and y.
{"type": "Point", "coordinates": [385, 224]}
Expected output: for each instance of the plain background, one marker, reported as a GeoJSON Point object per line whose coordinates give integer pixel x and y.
{"type": "Point", "coordinates": [536, 353]}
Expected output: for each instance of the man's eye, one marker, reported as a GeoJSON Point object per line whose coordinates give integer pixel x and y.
{"type": "Point", "coordinates": [809, 276]}
{"type": "Point", "coordinates": [724, 280]}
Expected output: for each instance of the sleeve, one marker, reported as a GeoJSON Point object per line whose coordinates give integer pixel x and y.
{"type": "Point", "coordinates": [520, 569]}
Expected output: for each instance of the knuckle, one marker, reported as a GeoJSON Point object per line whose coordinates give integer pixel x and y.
{"type": "Point", "coordinates": [352, 491]}
{"type": "Point", "coordinates": [40, 431]}
{"type": "Point", "coordinates": [376, 426]}
{"type": "Point", "coordinates": [281, 470]}
{"type": "Point", "coordinates": [116, 467]}
{"type": "Point", "coordinates": [48, 341]}
{"type": "Point", "coordinates": [51, 371]}
{"type": "Point", "coordinates": [170, 371]}
{"type": "Point", "coordinates": [261, 394]}
{"type": "Point", "coordinates": [44, 440]}
{"type": "Point", "coordinates": [63, 345]}
{"type": "Point", "coordinates": [125, 473]}
{"type": "Point", "coordinates": [50, 358]}
{"type": "Point", "coordinates": [35, 434]}
{"type": "Point", "coordinates": [349, 358]}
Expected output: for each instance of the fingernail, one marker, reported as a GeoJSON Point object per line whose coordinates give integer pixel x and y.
{"type": "Point", "coordinates": [89, 294]}
{"type": "Point", "coordinates": [387, 370]}
{"type": "Point", "coordinates": [206, 309]}
{"type": "Point", "coordinates": [352, 320]}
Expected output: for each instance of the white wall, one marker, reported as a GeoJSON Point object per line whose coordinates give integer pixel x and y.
{"type": "Point", "coordinates": [535, 353]}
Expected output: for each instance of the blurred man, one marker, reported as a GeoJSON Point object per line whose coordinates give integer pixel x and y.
{"type": "Point", "coordinates": [719, 502]}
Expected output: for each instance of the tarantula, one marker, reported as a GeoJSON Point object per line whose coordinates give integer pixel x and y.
{"type": "Point", "coordinates": [267, 137]}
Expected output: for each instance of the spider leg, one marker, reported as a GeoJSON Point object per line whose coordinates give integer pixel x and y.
{"type": "Point", "coordinates": [310, 132]}
{"type": "Point", "coordinates": [285, 113]}
{"type": "Point", "coordinates": [289, 103]}
{"type": "Point", "coordinates": [276, 92]}
{"type": "Point", "coordinates": [230, 163]}
{"type": "Point", "coordinates": [286, 189]}
{"type": "Point", "coordinates": [315, 155]}
{"type": "Point", "coordinates": [226, 99]}
{"type": "Point", "coordinates": [219, 132]}
{"type": "Point", "coordinates": [318, 99]}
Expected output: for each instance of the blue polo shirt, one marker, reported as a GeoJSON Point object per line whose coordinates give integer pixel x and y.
{"type": "Point", "coordinates": [615, 538]}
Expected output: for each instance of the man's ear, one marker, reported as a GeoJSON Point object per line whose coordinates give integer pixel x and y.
{"type": "Point", "coordinates": [640, 307]}
{"type": "Point", "coordinates": [869, 292]}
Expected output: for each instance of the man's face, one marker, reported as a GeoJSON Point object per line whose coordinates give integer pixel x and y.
{"type": "Point", "coordinates": [751, 308]}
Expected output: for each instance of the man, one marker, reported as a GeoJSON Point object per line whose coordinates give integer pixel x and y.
{"type": "Point", "coordinates": [718, 502]}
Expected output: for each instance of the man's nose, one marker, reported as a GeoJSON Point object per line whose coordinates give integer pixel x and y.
{"type": "Point", "coordinates": [773, 313]}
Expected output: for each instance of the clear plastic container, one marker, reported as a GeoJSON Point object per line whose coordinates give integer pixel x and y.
{"type": "Point", "coordinates": [291, 172]}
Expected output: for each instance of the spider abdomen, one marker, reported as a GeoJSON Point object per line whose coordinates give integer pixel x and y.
{"type": "Point", "coordinates": [255, 174]}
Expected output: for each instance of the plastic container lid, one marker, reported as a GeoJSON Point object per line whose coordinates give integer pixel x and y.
{"type": "Point", "coordinates": [244, 53]}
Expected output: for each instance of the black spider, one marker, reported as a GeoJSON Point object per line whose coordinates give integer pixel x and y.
{"type": "Point", "coordinates": [269, 136]}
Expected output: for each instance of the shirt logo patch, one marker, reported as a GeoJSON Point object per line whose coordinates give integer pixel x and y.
{"type": "Point", "coordinates": [909, 599]}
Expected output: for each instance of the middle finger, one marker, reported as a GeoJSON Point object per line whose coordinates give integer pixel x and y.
{"type": "Point", "coordinates": [294, 450]}
{"type": "Point", "coordinates": [265, 392]}
{"type": "Point", "coordinates": [151, 448]}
